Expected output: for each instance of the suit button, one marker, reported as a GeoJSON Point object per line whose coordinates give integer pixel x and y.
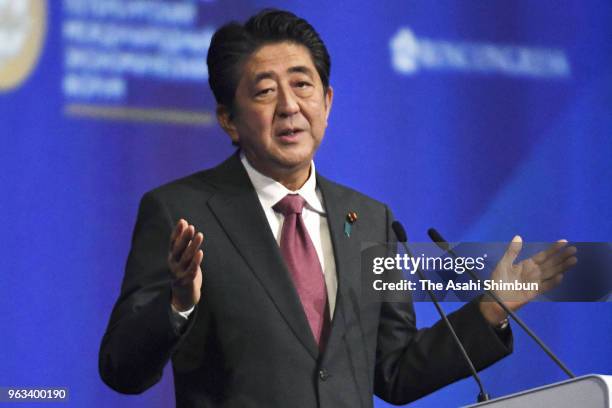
{"type": "Point", "coordinates": [323, 374]}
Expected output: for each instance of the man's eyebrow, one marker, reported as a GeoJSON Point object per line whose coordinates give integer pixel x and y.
{"type": "Point", "coordinates": [301, 69]}
{"type": "Point", "coordinates": [263, 75]}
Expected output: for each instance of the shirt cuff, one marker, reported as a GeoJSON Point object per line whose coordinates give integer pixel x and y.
{"type": "Point", "coordinates": [179, 319]}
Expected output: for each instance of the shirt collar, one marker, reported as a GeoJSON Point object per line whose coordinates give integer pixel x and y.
{"type": "Point", "coordinates": [271, 191]}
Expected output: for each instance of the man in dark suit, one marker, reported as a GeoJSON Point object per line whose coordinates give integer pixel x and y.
{"type": "Point", "coordinates": [244, 276]}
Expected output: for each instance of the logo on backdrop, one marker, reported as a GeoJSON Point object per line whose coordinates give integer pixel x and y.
{"type": "Point", "coordinates": [130, 59]}
{"type": "Point", "coordinates": [22, 31]}
{"type": "Point", "coordinates": [411, 54]}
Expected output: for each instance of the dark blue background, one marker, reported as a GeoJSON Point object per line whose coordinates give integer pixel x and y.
{"type": "Point", "coordinates": [479, 156]}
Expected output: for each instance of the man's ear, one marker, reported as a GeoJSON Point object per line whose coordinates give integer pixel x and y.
{"type": "Point", "coordinates": [226, 121]}
{"type": "Point", "coordinates": [329, 98]}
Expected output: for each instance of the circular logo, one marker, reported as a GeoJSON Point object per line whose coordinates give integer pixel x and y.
{"type": "Point", "coordinates": [23, 25]}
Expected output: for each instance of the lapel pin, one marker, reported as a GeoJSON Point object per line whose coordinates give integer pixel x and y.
{"type": "Point", "coordinates": [351, 218]}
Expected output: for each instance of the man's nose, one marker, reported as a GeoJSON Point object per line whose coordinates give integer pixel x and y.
{"type": "Point", "coordinates": [287, 103]}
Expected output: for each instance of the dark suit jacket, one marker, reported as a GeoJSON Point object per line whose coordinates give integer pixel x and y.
{"type": "Point", "coordinates": [248, 343]}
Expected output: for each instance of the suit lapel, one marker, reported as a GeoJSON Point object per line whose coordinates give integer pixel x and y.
{"type": "Point", "coordinates": [239, 212]}
{"type": "Point", "coordinates": [345, 250]}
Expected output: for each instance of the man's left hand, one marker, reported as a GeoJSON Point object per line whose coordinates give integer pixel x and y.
{"type": "Point", "coordinates": [546, 268]}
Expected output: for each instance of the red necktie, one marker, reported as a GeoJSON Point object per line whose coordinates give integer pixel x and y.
{"type": "Point", "coordinates": [303, 263]}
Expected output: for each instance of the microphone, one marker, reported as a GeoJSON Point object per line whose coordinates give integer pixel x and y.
{"type": "Point", "coordinates": [444, 245]}
{"type": "Point", "coordinates": [400, 233]}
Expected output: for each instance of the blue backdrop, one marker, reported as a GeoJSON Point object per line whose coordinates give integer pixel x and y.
{"type": "Point", "coordinates": [483, 119]}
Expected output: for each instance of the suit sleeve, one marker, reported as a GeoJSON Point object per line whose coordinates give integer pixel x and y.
{"type": "Point", "coordinates": [140, 336]}
{"type": "Point", "coordinates": [411, 363]}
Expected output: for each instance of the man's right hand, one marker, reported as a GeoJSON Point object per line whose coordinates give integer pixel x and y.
{"type": "Point", "coordinates": [184, 259]}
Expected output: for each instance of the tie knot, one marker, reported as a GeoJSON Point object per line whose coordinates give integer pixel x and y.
{"type": "Point", "coordinates": [290, 204]}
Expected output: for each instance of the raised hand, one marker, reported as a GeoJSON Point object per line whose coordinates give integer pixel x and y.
{"type": "Point", "coordinates": [184, 259]}
{"type": "Point", "coordinates": [546, 269]}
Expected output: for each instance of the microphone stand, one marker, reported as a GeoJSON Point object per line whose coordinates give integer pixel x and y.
{"type": "Point", "coordinates": [443, 244]}
{"type": "Point", "coordinates": [400, 233]}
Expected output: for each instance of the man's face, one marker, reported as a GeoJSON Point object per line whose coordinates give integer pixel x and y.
{"type": "Point", "coordinates": [280, 109]}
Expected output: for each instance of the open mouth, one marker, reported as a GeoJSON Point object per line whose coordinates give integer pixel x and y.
{"type": "Point", "coordinates": [289, 132]}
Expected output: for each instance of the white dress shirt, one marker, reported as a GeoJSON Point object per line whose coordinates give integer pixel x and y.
{"type": "Point", "coordinates": [270, 192]}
